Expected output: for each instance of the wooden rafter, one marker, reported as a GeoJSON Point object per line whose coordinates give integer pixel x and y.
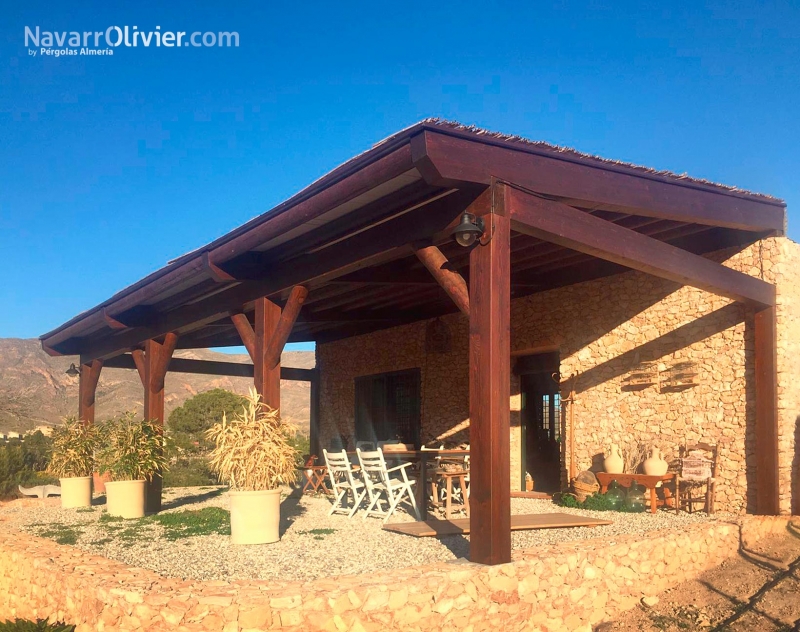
{"type": "Point", "coordinates": [571, 228]}
{"type": "Point", "coordinates": [450, 280]}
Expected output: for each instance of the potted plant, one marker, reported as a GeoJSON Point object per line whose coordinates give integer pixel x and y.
{"type": "Point", "coordinates": [253, 454]}
{"type": "Point", "coordinates": [72, 461]}
{"type": "Point", "coordinates": [132, 451]}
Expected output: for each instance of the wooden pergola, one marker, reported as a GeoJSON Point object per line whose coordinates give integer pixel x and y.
{"type": "Point", "coordinates": [369, 247]}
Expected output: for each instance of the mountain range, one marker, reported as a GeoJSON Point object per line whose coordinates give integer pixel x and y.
{"type": "Point", "coordinates": [35, 389]}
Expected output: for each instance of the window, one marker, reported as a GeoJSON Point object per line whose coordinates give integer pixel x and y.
{"type": "Point", "coordinates": [388, 407]}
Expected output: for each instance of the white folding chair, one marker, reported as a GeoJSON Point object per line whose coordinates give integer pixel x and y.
{"type": "Point", "coordinates": [343, 482]}
{"type": "Point", "coordinates": [382, 487]}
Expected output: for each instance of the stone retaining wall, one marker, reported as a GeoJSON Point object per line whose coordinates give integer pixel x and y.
{"type": "Point", "coordinates": [569, 586]}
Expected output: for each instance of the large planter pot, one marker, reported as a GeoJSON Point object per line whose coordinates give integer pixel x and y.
{"type": "Point", "coordinates": [76, 491]}
{"type": "Point", "coordinates": [125, 499]}
{"type": "Point", "coordinates": [255, 516]}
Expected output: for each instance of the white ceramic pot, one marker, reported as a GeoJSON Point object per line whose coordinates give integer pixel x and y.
{"type": "Point", "coordinates": [255, 516]}
{"type": "Point", "coordinates": [76, 491]}
{"type": "Point", "coordinates": [655, 465]}
{"type": "Point", "coordinates": [125, 498]}
{"type": "Point", "coordinates": [613, 463]}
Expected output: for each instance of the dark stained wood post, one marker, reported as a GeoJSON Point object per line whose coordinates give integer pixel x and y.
{"type": "Point", "coordinates": [489, 389]}
{"type": "Point", "coordinates": [156, 361]}
{"type": "Point", "coordinates": [87, 389]}
{"type": "Point", "coordinates": [766, 361]}
{"type": "Point", "coordinates": [267, 380]}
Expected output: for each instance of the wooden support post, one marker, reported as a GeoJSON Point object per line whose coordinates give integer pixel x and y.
{"type": "Point", "coordinates": [156, 361]}
{"type": "Point", "coordinates": [138, 360]}
{"type": "Point", "coordinates": [246, 333]}
{"type": "Point", "coordinates": [87, 389]}
{"type": "Point", "coordinates": [450, 280]}
{"type": "Point", "coordinates": [489, 390]}
{"type": "Point", "coordinates": [277, 341]}
{"type": "Point", "coordinates": [767, 480]}
{"type": "Point", "coordinates": [267, 380]}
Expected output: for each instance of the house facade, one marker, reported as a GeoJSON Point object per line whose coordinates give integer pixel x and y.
{"type": "Point", "coordinates": [598, 336]}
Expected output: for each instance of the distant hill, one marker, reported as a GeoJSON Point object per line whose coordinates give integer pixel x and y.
{"type": "Point", "coordinates": [35, 389]}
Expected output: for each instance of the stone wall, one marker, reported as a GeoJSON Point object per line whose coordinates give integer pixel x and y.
{"type": "Point", "coordinates": [565, 587]}
{"type": "Point", "coordinates": [604, 330]}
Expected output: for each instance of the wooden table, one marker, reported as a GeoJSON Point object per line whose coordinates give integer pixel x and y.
{"type": "Point", "coordinates": [626, 480]}
{"type": "Point", "coordinates": [423, 457]}
{"type": "Point", "coordinates": [315, 477]}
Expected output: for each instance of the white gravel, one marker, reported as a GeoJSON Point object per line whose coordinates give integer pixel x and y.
{"type": "Point", "coordinates": [356, 545]}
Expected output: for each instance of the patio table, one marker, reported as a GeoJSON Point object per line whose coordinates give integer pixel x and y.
{"type": "Point", "coordinates": [626, 480]}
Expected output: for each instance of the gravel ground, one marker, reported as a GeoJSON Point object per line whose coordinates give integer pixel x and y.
{"type": "Point", "coordinates": [356, 545]}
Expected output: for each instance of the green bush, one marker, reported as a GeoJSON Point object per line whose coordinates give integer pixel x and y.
{"type": "Point", "coordinates": [187, 424]}
{"type": "Point", "coordinates": [40, 625]}
{"type": "Point", "coordinates": [189, 472]}
{"type": "Point", "coordinates": [22, 463]}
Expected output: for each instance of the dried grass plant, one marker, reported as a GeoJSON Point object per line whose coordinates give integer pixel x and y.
{"type": "Point", "coordinates": [253, 450]}
{"type": "Point", "coordinates": [74, 444]}
{"type": "Point", "coordinates": [633, 455]}
{"type": "Point", "coordinates": [132, 449]}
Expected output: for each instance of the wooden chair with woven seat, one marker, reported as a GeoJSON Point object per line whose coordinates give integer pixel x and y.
{"type": "Point", "coordinates": [697, 470]}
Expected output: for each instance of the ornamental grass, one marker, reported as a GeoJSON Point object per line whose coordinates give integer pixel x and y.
{"type": "Point", "coordinates": [253, 449]}
{"type": "Point", "coordinates": [132, 449]}
{"type": "Point", "coordinates": [74, 445]}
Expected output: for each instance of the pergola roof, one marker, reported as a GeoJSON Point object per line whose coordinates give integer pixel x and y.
{"type": "Point", "coordinates": [348, 238]}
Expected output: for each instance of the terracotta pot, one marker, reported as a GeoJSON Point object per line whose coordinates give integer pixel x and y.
{"type": "Point", "coordinates": [76, 491]}
{"type": "Point", "coordinates": [613, 462]}
{"type": "Point", "coordinates": [655, 465]}
{"type": "Point", "coordinates": [125, 498]}
{"type": "Point", "coordinates": [255, 516]}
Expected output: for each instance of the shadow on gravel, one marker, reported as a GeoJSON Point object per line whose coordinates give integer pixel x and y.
{"type": "Point", "coordinates": [291, 509]}
{"type": "Point", "coordinates": [194, 498]}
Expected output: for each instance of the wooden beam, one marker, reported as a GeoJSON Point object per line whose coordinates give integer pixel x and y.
{"type": "Point", "coordinates": [267, 378]}
{"type": "Point", "coordinates": [766, 382]}
{"type": "Point", "coordinates": [569, 227]}
{"type": "Point", "coordinates": [157, 356]}
{"type": "Point", "coordinates": [378, 245]}
{"type": "Point", "coordinates": [214, 272]}
{"type": "Point", "coordinates": [450, 280]}
{"type": "Point", "coordinates": [137, 355]}
{"type": "Point", "coordinates": [87, 390]}
{"type": "Point", "coordinates": [489, 388]}
{"type": "Point", "coordinates": [445, 159]}
{"type": "Point", "coordinates": [274, 349]}
{"type": "Point", "coordinates": [210, 367]}
{"type": "Point", "coordinates": [246, 333]}
{"type": "Point", "coordinates": [113, 322]}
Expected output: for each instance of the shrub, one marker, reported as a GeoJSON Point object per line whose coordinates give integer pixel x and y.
{"type": "Point", "coordinates": [40, 625]}
{"type": "Point", "coordinates": [189, 472]}
{"type": "Point", "coordinates": [21, 463]}
{"type": "Point", "coordinates": [132, 449]}
{"type": "Point", "coordinates": [188, 423]}
{"type": "Point", "coordinates": [74, 444]}
{"type": "Point", "coordinates": [252, 450]}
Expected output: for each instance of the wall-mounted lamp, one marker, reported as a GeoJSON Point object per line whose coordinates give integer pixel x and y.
{"type": "Point", "coordinates": [469, 230]}
{"type": "Point", "coordinates": [73, 371]}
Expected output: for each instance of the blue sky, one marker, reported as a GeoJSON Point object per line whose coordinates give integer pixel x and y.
{"type": "Point", "coordinates": [110, 166]}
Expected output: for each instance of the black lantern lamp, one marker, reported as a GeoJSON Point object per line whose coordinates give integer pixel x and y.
{"type": "Point", "coordinates": [73, 371]}
{"type": "Point", "coordinates": [469, 230]}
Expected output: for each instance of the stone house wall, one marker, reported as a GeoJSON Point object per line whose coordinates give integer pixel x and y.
{"type": "Point", "coordinates": [604, 330]}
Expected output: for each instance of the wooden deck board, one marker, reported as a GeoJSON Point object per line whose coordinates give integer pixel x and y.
{"type": "Point", "coordinates": [519, 522]}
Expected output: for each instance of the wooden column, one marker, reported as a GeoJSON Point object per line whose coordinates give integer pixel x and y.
{"type": "Point", "coordinates": [156, 361]}
{"type": "Point", "coordinates": [266, 341]}
{"type": "Point", "coordinates": [267, 380]}
{"type": "Point", "coordinates": [87, 389]}
{"type": "Point", "coordinates": [489, 390]}
{"type": "Point", "coordinates": [767, 480]}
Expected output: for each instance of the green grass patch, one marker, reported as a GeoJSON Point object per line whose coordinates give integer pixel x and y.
{"type": "Point", "coordinates": [40, 625]}
{"type": "Point", "coordinates": [85, 510]}
{"type": "Point", "coordinates": [319, 534]}
{"type": "Point", "coordinates": [61, 533]}
{"type": "Point", "coordinates": [107, 517]}
{"type": "Point", "coordinates": [186, 524]}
